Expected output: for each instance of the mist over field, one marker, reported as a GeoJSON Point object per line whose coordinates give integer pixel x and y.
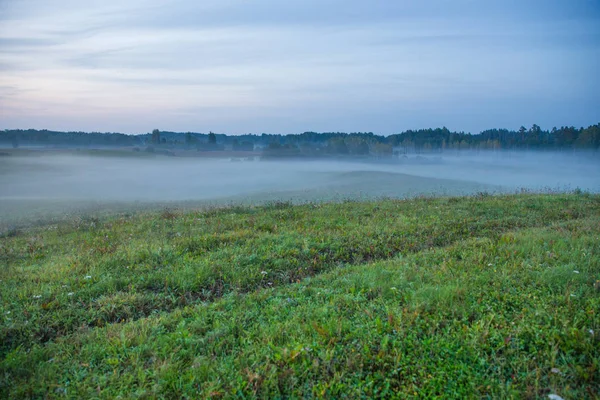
{"type": "Point", "coordinates": [45, 183]}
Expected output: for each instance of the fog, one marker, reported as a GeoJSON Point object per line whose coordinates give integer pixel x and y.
{"type": "Point", "coordinates": [40, 181]}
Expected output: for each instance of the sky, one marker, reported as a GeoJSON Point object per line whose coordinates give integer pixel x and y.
{"type": "Point", "coordinates": [240, 66]}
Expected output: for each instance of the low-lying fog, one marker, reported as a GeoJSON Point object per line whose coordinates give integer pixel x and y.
{"type": "Point", "coordinates": [43, 177]}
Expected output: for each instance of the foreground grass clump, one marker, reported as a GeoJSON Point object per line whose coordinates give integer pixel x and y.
{"type": "Point", "coordinates": [453, 297]}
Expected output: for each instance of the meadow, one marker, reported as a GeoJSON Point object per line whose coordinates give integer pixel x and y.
{"type": "Point", "coordinates": [482, 296]}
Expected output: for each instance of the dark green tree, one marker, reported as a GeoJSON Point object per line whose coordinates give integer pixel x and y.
{"type": "Point", "coordinates": [155, 139]}
{"type": "Point", "coordinates": [190, 139]}
{"type": "Point", "coordinates": [337, 146]}
{"type": "Point", "coordinates": [212, 138]}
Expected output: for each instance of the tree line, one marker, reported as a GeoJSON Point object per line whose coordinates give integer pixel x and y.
{"type": "Point", "coordinates": [326, 143]}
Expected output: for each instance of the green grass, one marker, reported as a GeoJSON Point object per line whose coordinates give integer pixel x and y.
{"type": "Point", "coordinates": [485, 296]}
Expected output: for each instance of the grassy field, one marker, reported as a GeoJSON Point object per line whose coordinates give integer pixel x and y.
{"type": "Point", "coordinates": [457, 297]}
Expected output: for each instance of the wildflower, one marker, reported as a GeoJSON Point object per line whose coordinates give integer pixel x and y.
{"type": "Point", "coordinates": [8, 312]}
{"type": "Point", "coordinates": [555, 371]}
{"type": "Point", "coordinates": [490, 265]}
{"type": "Point", "coordinates": [263, 272]}
{"type": "Point", "coordinates": [591, 331]}
{"type": "Point", "coordinates": [575, 271]}
{"type": "Point", "coordinates": [554, 397]}
{"type": "Point", "coordinates": [393, 288]}
{"type": "Point", "coordinates": [37, 296]}
{"type": "Point", "coordinates": [88, 277]}
{"type": "Point", "coordinates": [70, 294]}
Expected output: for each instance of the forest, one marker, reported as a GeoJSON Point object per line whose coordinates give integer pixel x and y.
{"type": "Point", "coordinates": [321, 144]}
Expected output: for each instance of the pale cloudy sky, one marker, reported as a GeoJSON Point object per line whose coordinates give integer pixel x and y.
{"type": "Point", "coordinates": [239, 66]}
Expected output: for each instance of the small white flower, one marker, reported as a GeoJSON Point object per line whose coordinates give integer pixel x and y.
{"type": "Point", "coordinates": [37, 296]}
{"type": "Point", "coordinates": [393, 288]}
{"type": "Point", "coordinates": [263, 272]}
{"type": "Point", "coordinates": [70, 294]}
{"type": "Point", "coordinates": [490, 265]}
{"type": "Point", "coordinates": [572, 295]}
{"type": "Point", "coordinates": [88, 277]}
{"type": "Point", "coordinates": [575, 272]}
{"type": "Point", "coordinates": [8, 312]}
{"type": "Point", "coordinates": [591, 331]}
{"type": "Point", "coordinates": [554, 397]}
{"type": "Point", "coordinates": [555, 371]}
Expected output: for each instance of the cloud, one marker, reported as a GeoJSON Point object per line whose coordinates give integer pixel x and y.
{"type": "Point", "coordinates": [8, 44]}
{"type": "Point", "coordinates": [299, 65]}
